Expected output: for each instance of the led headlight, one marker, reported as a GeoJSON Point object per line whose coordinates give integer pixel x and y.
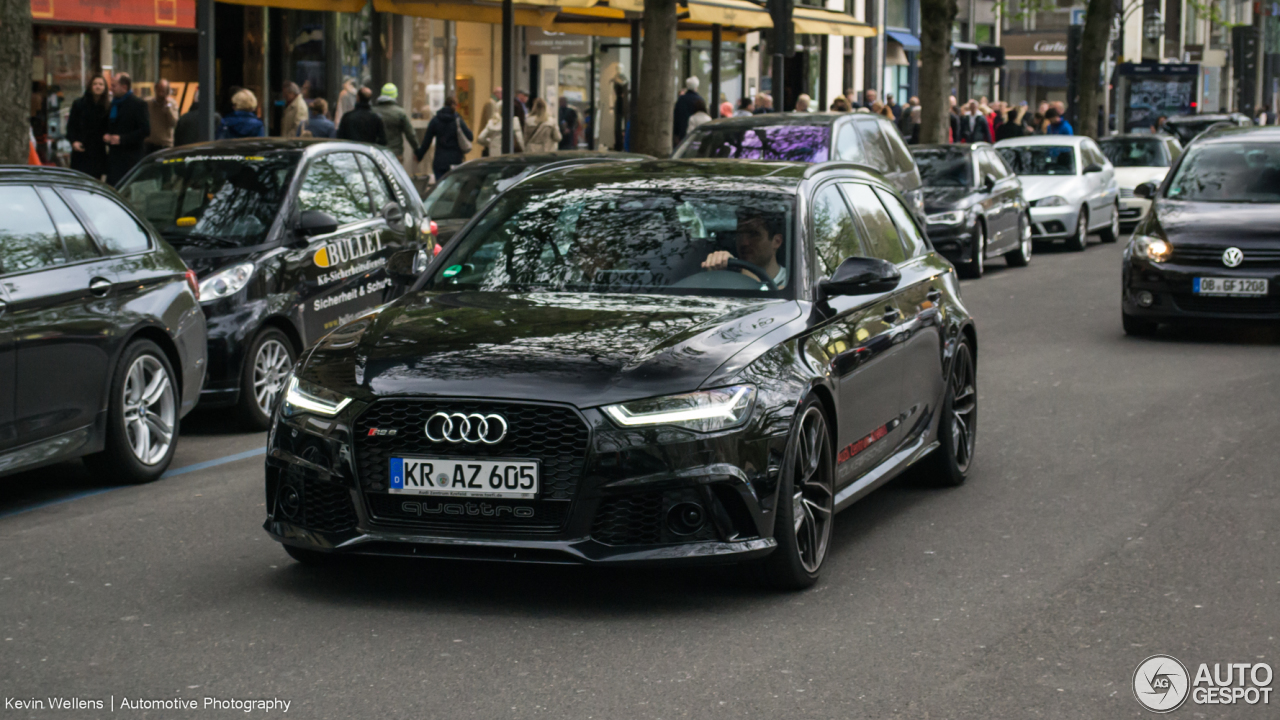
{"type": "Point", "coordinates": [703, 411]}
{"type": "Point", "coordinates": [226, 282]}
{"type": "Point", "coordinates": [304, 397]}
{"type": "Point", "coordinates": [955, 217]}
{"type": "Point", "coordinates": [1152, 248]}
{"type": "Point", "coordinates": [1051, 201]}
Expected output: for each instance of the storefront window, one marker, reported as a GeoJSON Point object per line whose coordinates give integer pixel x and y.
{"type": "Point", "coordinates": [62, 64]}
{"type": "Point", "coordinates": [137, 54]}
{"type": "Point", "coordinates": [897, 13]}
{"type": "Point", "coordinates": [354, 41]}
{"type": "Point", "coordinates": [1037, 81]}
{"type": "Point", "coordinates": [304, 39]}
{"type": "Point", "coordinates": [429, 47]}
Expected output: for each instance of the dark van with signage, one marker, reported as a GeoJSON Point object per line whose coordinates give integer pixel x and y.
{"type": "Point", "coordinates": [289, 238]}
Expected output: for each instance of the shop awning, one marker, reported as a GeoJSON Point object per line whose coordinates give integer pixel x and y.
{"type": "Point", "coordinates": [962, 46]}
{"type": "Point", "coordinates": [817, 21]}
{"type": "Point", "coordinates": [905, 39]}
{"type": "Point", "coordinates": [347, 6]}
{"type": "Point", "coordinates": [490, 13]}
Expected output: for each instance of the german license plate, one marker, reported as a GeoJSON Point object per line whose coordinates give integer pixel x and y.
{"type": "Point", "coordinates": [459, 477]}
{"type": "Point", "coordinates": [1235, 287]}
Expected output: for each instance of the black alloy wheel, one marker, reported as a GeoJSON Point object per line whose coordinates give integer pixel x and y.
{"type": "Point", "coordinates": [266, 369]}
{"type": "Point", "coordinates": [1080, 241]}
{"type": "Point", "coordinates": [978, 263]}
{"type": "Point", "coordinates": [958, 426]}
{"type": "Point", "coordinates": [806, 503]}
{"type": "Point", "coordinates": [1112, 231]}
{"type": "Point", "coordinates": [1021, 255]}
{"type": "Point", "coordinates": [142, 418]}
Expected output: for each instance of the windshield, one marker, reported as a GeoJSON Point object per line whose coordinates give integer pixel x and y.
{"type": "Point", "coordinates": [795, 143]}
{"type": "Point", "coordinates": [944, 167]}
{"type": "Point", "coordinates": [1229, 172]}
{"type": "Point", "coordinates": [1135, 152]}
{"type": "Point", "coordinates": [212, 200]}
{"type": "Point", "coordinates": [623, 241]}
{"type": "Point", "coordinates": [1187, 130]}
{"type": "Point", "coordinates": [1040, 159]}
{"type": "Point", "coordinates": [463, 192]}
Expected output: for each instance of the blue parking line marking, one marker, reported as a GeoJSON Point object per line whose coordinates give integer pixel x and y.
{"type": "Point", "coordinates": [176, 471]}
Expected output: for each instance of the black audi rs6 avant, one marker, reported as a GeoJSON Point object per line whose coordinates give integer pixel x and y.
{"type": "Point", "coordinates": [698, 360]}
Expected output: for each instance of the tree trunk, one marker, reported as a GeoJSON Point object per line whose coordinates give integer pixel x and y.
{"type": "Point", "coordinates": [1097, 29]}
{"type": "Point", "coordinates": [936, 16]}
{"type": "Point", "coordinates": [655, 116]}
{"type": "Point", "coordinates": [15, 81]}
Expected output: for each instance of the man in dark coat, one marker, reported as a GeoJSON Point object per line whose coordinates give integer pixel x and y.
{"type": "Point", "coordinates": [973, 125]}
{"type": "Point", "coordinates": [685, 105]}
{"type": "Point", "coordinates": [568, 125]}
{"type": "Point", "coordinates": [187, 131]}
{"type": "Point", "coordinates": [128, 126]}
{"type": "Point", "coordinates": [443, 129]}
{"type": "Point", "coordinates": [362, 123]}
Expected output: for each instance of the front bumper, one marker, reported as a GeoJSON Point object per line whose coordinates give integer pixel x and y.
{"type": "Point", "coordinates": [1054, 223]}
{"type": "Point", "coordinates": [607, 500]}
{"type": "Point", "coordinates": [954, 242]}
{"type": "Point", "coordinates": [1171, 285]}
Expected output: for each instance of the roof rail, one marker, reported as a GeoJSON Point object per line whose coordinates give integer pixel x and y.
{"type": "Point", "coordinates": [839, 165]}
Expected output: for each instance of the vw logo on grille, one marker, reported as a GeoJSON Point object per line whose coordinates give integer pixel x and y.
{"type": "Point", "coordinates": [463, 428]}
{"type": "Point", "coordinates": [1231, 257]}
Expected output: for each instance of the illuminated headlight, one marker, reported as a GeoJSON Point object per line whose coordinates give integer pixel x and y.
{"type": "Point", "coordinates": [226, 282]}
{"type": "Point", "coordinates": [1051, 201]}
{"type": "Point", "coordinates": [1152, 248]}
{"type": "Point", "coordinates": [954, 217]}
{"type": "Point", "coordinates": [703, 411]}
{"type": "Point", "coordinates": [304, 397]}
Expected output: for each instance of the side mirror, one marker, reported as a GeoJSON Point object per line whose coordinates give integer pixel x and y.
{"type": "Point", "coordinates": [316, 222]}
{"type": "Point", "coordinates": [393, 213]}
{"type": "Point", "coordinates": [988, 182]}
{"type": "Point", "coordinates": [405, 266]}
{"type": "Point", "coordinates": [1092, 168]}
{"type": "Point", "coordinates": [1146, 190]}
{"type": "Point", "coordinates": [861, 276]}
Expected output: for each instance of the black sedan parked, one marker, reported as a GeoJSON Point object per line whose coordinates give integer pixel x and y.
{"type": "Point", "coordinates": [1210, 247]}
{"type": "Point", "coordinates": [657, 361]}
{"type": "Point", "coordinates": [289, 238]}
{"type": "Point", "coordinates": [974, 206]}
{"type": "Point", "coordinates": [102, 342]}
{"type": "Point", "coordinates": [467, 187]}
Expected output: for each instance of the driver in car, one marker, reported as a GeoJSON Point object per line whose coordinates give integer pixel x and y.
{"type": "Point", "coordinates": [758, 239]}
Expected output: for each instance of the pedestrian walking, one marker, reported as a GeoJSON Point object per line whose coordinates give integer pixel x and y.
{"type": "Point", "coordinates": [913, 124]}
{"type": "Point", "coordinates": [568, 125]}
{"type": "Point", "coordinates": [243, 121]}
{"type": "Point", "coordinates": [542, 134]}
{"type": "Point", "coordinates": [317, 124]}
{"type": "Point", "coordinates": [86, 126]}
{"type": "Point", "coordinates": [346, 100]}
{"type": "Point", "coordinates": [395, 121]}
{"type": "Point", "coordinates": [295, 110]}
{"type": "Point", "coordinates": [684, 109]}
{"type": "Point", "coordinates": [802, 102]}
{"type": "Point", "coordinates": [973, 125]}
{"type": "Point", "coordinates": [491, 135]}
{"type": "Point", "coordinates": [127, 129]}
{"type": "Point", "coordinates": [187, 131]}
{"type": "Point", "coordinates": [764, 104]}
{"type": "Point", "coordinates": [1058, 125]}
{"type": "Point", "coordinates": [726, 109]}
{"type": "Point", "coordinates": [362, 124]}
{"type": "Point", "coordinates": [840, 104]}
{"type": "Point", "coordinates": [162, 114]}
{"type": "Point", "coordinates": [699, 116]}
{"type": "Point", "coordinates": [451, 136]}
{"type": "Point", "coordinates": [1012, 126]}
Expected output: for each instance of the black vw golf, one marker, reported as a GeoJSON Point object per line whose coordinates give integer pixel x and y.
{"type": "Point", "coordinates": [289, 238]}
{"type": "Point", "coordinates": [652, 361]}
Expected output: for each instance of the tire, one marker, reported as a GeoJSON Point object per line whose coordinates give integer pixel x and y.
{"type": "Point", "coordinates": [1021, 256]}
{"type": "Point", "coordinates": [311, 558]}
{"type": "Point", "coordinates": [266, 365]}
{"type": "Point", "coordinates": [1137, 327]}
{"type": "Point", "coordinates": [1080, 241]}
{"type": "Point", "coordinates": [1112, 231]}
{"type": "Point", "coordinates": [804, 539]}
{"type": "Point", "coordinates": [957, 428]}
{"type": "Point", "coordinates": [142, 417]}
{"type": "Point", "coordinates": [975, 267]}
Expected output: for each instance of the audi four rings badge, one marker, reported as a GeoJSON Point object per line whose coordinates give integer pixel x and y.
{"type": "Point", "coordinates": [463, 428]}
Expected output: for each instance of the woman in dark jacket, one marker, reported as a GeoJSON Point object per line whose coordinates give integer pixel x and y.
{"type": "Point", "coordinates": [243, 122]}
{"type": "Point", "coordinates": [444, 128]}
{"type": "Point", "coordinates": [1012, 126]}
{"type": "Point", "coordinates": [85, 128]}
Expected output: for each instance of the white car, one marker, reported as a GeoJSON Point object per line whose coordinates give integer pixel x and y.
{"type": "Point", "coordinates": [1139, 159]}
{"type": "Point", "coordinates": [1070, 185]}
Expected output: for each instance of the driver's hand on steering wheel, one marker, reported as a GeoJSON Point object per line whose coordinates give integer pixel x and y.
{"type": "Point", "coordinates": [718, 260]}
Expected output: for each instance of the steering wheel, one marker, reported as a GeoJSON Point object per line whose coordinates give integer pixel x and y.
{"type": "Point", "coordinates": [754, 269]}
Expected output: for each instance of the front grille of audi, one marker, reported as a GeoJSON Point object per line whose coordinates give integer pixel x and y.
{"type": "Point", "coordinates": [554, 435]}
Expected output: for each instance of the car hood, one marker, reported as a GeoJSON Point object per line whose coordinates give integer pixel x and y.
{"type": "Point", "coordinates": [580, 348]}
{"type": "Point", "coordinates": [1242, 225]}
{"type": "Point", "coordinates": [942, 199]}
{"type": "Point", "coordinates": [1035, 187]}
{"type": "Point", "coordinates": [205, 260]}
{"type": "Point", "coordinates": [1131, 177]}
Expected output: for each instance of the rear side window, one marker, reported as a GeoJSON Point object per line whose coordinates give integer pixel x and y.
{"type": "Point", "coordinates": [912, 239]}
{"type": "Point", "coordinates": [848, 146]}
{"type": "Point", "coordinates": [75, 239]}
{"type": "Point", "coordinates": [377, 183]}
{"type": "Point", "coordinates": [883, 240]}
{"type": "Point", "coordinates": [28, 240]}
{"type": "Point", "coordinates": [901, 155]}
{"type": "Point", "coordinates": [835, 234]}
{"type": "Point", "coordinates": [875, 151]}
{"type": "Point", "coordinates": [117, 232]}
{"type": "Point", "coordinates": [986, 166]}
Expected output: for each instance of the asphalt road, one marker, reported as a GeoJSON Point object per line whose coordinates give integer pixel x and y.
{"type": "Point", "coordinates": [1123, 503]}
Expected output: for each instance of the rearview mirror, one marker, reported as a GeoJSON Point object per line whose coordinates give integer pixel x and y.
{"type": "Point", "coordinates": [860, 276]}
{"type": "Point", "coordinates": [316, 222]}
{"type": "Point", "coordinates": [1146, 190]}
{"type": "Point", "coordinates": [405, 266]}
{"type": "Point", "coordinates": [1092, 168]}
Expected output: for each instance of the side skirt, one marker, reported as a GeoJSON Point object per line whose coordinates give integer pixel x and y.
{"type": "Point", "coordinates": [884, 472]}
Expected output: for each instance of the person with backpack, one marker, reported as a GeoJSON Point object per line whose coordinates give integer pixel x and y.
{"type": "Point", "coordinates": [452, 138]}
